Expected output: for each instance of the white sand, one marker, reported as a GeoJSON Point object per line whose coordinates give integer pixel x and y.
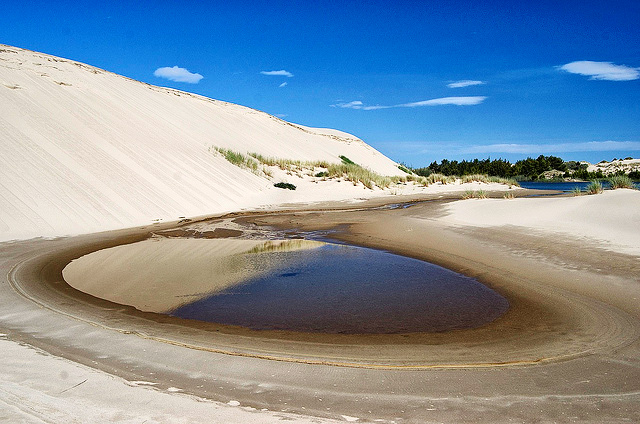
{"type": "Point", "coordinates": [36, 387]}
{"type": "Point", "coordinates": [85, 150]}
{"type": "Point", "coordinates": [611, 218]}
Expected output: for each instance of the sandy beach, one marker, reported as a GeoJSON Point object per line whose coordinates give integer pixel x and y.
{"type": "Point", "coordinates": [567, 350]}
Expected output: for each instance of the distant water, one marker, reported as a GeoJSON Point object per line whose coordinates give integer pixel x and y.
{"type": "Point", "coordinates": [562, 186]}
{"type": "Point", "coordinates": [347, 289]}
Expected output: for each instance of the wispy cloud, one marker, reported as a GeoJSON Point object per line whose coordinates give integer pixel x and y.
{"type": "Point", "coordinates": [177, 74]}
{"type": "Point", "coordinates": [281, 73]}
{"type": "Point", "coordinates": [458, 101]}
{"type": "Point", "coordinates": [282, 85]}
{"type": "Point", "coordinates": [356, 104]}
{"type": "Point", "coordinates": [465, 83]}
{"type": "Point", "coordinates": [602, 70]}
{"type": "Point", "coordinates": [589, 146]}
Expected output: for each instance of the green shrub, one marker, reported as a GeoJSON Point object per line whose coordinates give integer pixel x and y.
{"type": "Point", "coordinates": [346, 160]}
{"type": "Point", "coordinates": [322, 174]}
{"type": "Point", "coordinates": [595, 187]}
{"type": "Point", "coordinates": [287, 186]}
{"type": "Point", "coordinates": [404, 169]}
{"type": "Point", "coordinates": [621, 181]}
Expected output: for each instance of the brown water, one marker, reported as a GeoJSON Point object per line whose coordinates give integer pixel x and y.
{"type": "Point", "coordinates": [346, 289]}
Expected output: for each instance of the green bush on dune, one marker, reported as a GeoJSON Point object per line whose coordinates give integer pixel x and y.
{"type": "Point", "coordinates": [287, 186]}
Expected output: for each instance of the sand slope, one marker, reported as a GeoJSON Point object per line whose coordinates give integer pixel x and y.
{"type": "Point", "coordinates": [611, 218]}
{"type": "Point", "coordinates": [83, 150]}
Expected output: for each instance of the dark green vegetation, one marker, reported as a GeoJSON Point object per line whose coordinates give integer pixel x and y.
{"type": "Point", "coordinates": [404, 169]}
{"type": "Point", "coordinates": [288, 186]}
{"type": "Point", "coordinates": [528, 169]}
{"type": "Point", "coordinates": [346, 160]}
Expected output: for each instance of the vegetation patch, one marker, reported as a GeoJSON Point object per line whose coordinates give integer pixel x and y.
{"type": "Point", "coordinates": [595, 187]}
{"type": "Point", "coordinates": [470, 194]}
{"type": "Point", "coordinates": [347, 170]}
{"type": "Point", "coordinates": [346, 160]}
{"type": "Point", "coordinates": [404, 169]}
{"type": "Point", "coordinates": [287, 186]}
{"type": "Point", "coordinates": [577, 191]}
{"type": "Point", "coordinates": [621, 181]}
{"type": "Point", "coordinates": [242, 161]}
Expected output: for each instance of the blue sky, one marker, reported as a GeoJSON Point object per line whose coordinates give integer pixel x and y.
{"type": "Point", "coordinates": [557, 77]}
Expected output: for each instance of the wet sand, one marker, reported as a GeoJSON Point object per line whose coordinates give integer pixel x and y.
{"type": "Point", "coordinates": [568, 346]}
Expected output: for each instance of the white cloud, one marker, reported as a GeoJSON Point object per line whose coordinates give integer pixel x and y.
{"type": "Point", "coordinates": [282, 85]}
{"type": "Point", "coordinates": [356, 104]}
{"type": "Point", "coordinates": [281, 73]}
{"type": "Point", "coordinates": [178, 74]}
{"type": "Point", "coordinates": [589, 146]}
{"type": "Point", "coordinates": [602, 70]}
{"type": "Point", "coordinates": [465, 83]}
{"type": "Point", "coordinates": [459, 101]}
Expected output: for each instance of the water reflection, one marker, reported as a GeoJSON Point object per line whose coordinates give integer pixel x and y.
{"type": "Point", "coordinates": [346, 289]}
{"type": "Point", "coordinates": [160, 274]}
{"type": "Point", "coordinates": [295, 285]}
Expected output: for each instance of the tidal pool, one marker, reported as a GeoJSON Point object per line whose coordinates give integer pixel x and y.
{"type": "Point", "coordinates": [351, 290]}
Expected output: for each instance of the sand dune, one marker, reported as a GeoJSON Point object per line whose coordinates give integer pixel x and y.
{"type": "Point", "coordinates": [87, 150]}
{"type": "Point", "coordinates": [610, 219]}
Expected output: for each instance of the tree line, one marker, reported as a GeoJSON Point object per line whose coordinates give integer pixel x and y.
{"type": "Point", "coordinates": [528, 169]}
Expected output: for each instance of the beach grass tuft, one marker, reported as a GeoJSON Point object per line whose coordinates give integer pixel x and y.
{"type": "Point", "coordinates": [595, 187]}
{"type": "Point", "coordinates": [576, 191]}
{"type": "Point", "coordinates": [240, 160]}
{"type": "Point", "coordinates": [470, 194]}
{"type": "Point", "coordinates": [621, 181]}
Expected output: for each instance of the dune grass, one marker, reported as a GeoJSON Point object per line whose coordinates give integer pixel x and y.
{"type": "Point", "coordinates": [470, 194]}
{"type": "Point", "coordinates": [288, 164]}
{"type": "Point", "coordinates": [621, 181]}
{"type": "Point", "coordinates": [576, 191]}
{"type": "Point", "coordinates": [595, 187]}
{"type": "Point", "coordinates": [509, 195]}
{"type": "Point", "coordinates": [240, 160]}
{"type": "Point", "coordinates": [357, 174]}
{"type": "Point", "coordinates": [347, 170]}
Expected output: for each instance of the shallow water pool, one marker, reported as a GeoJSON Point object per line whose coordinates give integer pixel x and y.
{"type": "Point", "coordinates": [346, 289]}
